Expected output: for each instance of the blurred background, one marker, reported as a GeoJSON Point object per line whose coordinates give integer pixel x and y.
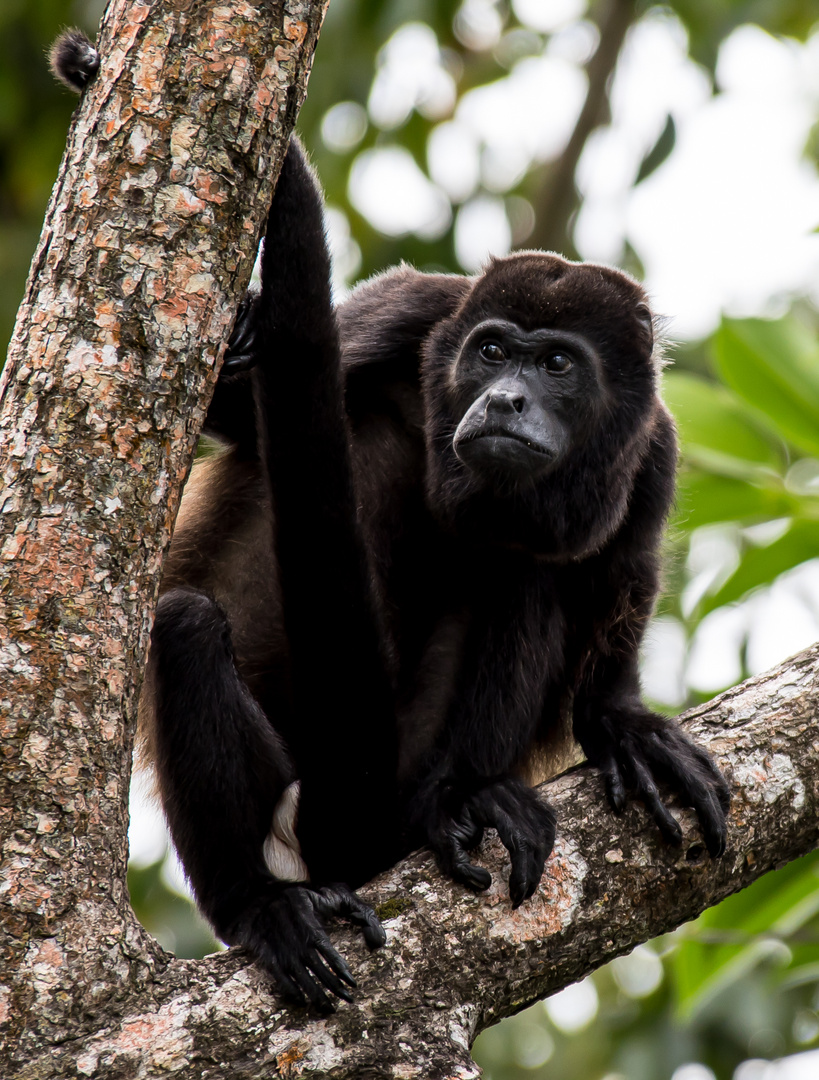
{"type": "Point", "coordinates": [679, 141]}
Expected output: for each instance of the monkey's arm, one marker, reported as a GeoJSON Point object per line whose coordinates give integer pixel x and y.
{"type": "Point", "coordinates": [633, 747]}
{"type": "Point", "coordinates": [382, 326]}
{"type": "Point", "coordinates": [470, 780]}
{"type": "Point", "coordinates": [347, 770]}
{"type": "Point", "coordinates": [226, 759]}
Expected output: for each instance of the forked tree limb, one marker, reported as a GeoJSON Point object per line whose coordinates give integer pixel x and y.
{"type": "Point", "coordinates": [150, 234]}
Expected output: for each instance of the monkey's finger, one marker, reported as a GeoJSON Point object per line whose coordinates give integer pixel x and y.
{"type": "Point", "coordinates": [647, 791]}
{"type": "Point", "coordinates": [699, 781]}
{"type": "Point", "coordinates": [315, 962]}
{"type": "Point", "coordinates": [539, 854]}
{"type": "Point", "coordinates": [237, 362]}
{"type": "Point", "coordinates": [723, 791]}
{"type": "Point", "coordinates": [527, 870]}
{"type": "Point", "coordinates": [339, 900]}
{"type": "Point", "coordinates": [240, 354]}
{"type": "Point", "coordinates": [324, 947]}
{"type": "Point", "coordinates": [474, 877]}
{"type": "Point", "coordinates": [685, 760]}
{"type": "Point", "coordinates": [468, 831]}
{"type": "Point", "coordinates": [528, 862]}
{"type": "Point", "coordinates": [374, 933]}
{"type": "Point", "coordinates": [454, 861]}
{"type": "Point", "coordinates": [710, 815]}
{"type": "Point", "coordinates": [613, 780]}
{"type": "Point", "coordinates": [709, 775]}
{"type": "Point", "coordinates": [714, 827]}
{"type": "Point", "coordinates": [269, 963]}
{"type": "Point", "coordinates": [310, 988]}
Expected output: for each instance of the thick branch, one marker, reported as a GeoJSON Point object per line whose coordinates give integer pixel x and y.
{"type": "Point", "coordinates": [150, 235]}
{"type": "Point", "coordinates": [455, 962]}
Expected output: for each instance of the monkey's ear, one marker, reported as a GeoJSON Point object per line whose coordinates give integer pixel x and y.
{"type": "Point", "coordinates": [74, 60]}
{"type": "Point", "coordinates": [646, 320]}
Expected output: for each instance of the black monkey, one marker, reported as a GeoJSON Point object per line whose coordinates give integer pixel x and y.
{"type": "Point", "coordinates": [439, 512]}
{"type": "Point", "coordinates": [485, 546]}
{"type": "Point", "coordinates": [74, 60]}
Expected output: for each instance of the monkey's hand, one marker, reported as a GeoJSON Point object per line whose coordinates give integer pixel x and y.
{"type": "Point", "coordinates": [455, 820]}
{"type": "Point", "coordinates": [633, 749]}
{"type": "Point", "coordinates": [283, 931]}
{"type": "Point", "coordinates": [243, 342]}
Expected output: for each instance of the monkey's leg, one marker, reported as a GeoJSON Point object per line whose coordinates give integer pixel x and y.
{"type": "Point", "coordinates": [222, 769]}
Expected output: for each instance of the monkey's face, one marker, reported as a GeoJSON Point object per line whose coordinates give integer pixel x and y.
{"type": "Point", "coordinates": [520, 392]}
{"type": "Point", "coordinates": [540, 395]}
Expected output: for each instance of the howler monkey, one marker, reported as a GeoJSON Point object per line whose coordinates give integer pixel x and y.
{"type": "Point", "coordinates": [432, 528]}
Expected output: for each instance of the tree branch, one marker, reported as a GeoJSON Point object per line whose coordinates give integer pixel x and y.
{"type": "Point", "coordinates": [456, 963]}
{"type": "Point", "coordinates": [557, 199]}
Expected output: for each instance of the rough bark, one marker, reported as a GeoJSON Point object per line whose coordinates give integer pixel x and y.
{"type": "Point", "coordinates": [150, 233]}
{"type": "Point", "coordinates": [149, 238]}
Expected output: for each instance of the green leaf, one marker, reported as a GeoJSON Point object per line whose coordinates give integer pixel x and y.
{"type": "Point", "coordinates": [704, 498]}
{"type": "Point", "coordinates": [730, 939]}
{"type": "Point", "coordinates": [659, 151]}
{"type": "Point", "coordinates": [762, 565]}
{"type": "Point", "coordinates": [774, 366]}
{"type": "Point", "coordinates": [716, 430]}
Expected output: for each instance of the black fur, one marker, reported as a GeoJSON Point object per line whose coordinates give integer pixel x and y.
{"type": "Point", "coordinates": [439, 525]}
{"type": "Point", "coordinates": [74, 60]}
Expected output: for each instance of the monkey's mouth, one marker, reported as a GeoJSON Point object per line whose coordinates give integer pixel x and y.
{"type": "Point", "coordinates": [495, 432]}
{"type": "Point", "coordinates": [491, 450]}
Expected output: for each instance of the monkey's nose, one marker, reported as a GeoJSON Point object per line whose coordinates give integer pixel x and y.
{"type": "Point", "coordinates": [505, 401]}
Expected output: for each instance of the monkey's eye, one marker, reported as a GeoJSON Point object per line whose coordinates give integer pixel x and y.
{"type": "Point", "coordinates": [492, 353]}
{"type": "Point", "coordinates": [557, 363]}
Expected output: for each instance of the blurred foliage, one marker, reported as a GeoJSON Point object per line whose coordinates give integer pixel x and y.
{"type": "Point", "coordinates": [743, 980]}
{"type": "Point", "coordinates": [34, 116]}
{"type": "Point", "coordinates": [709, 22]}
{"type": "Point", "coordinates": [168, 916]}
{"type": "Point", "coordinates": [750, 438]}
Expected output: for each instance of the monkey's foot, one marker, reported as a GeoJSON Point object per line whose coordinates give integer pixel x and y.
{"type": "Point", "coordinates": [284, 932]}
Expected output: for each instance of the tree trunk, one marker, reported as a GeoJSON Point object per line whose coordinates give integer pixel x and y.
{"type": "Point", "coordinates": [149, 239]}
{"type": "Point", "coordinates": [150, 235]}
